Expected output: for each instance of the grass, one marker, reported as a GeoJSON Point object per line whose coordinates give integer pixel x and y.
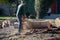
{"type": "Point", "coordinates": [3, 18]}
{"type": "Point", "coordinates": [10, 17]}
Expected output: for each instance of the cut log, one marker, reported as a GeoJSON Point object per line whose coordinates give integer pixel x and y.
{"type": "Point", "coordinates": [1, 24]}
{"type": "Point", "coordinates": [57, 22]}
{"type": "Point", "coordinates": [36, 24]}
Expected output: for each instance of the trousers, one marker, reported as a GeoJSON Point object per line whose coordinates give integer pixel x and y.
{"type": "Point", "coordinates": [20, 22]}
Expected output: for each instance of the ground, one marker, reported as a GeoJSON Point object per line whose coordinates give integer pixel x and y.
{"type": "Point", "coordinates": [8, 33]}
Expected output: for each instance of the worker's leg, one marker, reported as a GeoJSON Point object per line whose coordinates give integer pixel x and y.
{"type": "Point", "coordinates": [20, 23]}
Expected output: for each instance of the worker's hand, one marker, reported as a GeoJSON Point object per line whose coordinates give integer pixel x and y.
{"type": "Point", "coordinates": [24, 17]}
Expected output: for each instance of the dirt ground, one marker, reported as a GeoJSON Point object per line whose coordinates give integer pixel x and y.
{"type": "Point", "coordinates": [8, 34]}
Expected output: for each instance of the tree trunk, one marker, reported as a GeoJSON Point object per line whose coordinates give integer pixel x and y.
{"type": "Point", "coordinates": [37, 8]}
{"type": "Point", "coordinates": [41, 7]}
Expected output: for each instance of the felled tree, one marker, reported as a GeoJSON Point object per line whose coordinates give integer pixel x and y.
{"type": "Point", "coordinates": [41, 7]}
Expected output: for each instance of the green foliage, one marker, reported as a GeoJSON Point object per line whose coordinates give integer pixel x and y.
{"type": "Point", "coordinates": [42, 7]}
{"type": "Point", "coordinates": [30, 6]}
{"type": "Point", "coordinates": [3, 1]}
{"type": "Point", "coordinates": [4, 18]}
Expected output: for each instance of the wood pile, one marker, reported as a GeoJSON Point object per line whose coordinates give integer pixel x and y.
{"type": "Point", "coordinates": [7, 23]}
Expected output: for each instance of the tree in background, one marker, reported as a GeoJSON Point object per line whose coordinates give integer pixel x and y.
{"type": "Point", "coordinates": [41, 7]}
{"type": "Point", "coordinates": [30, 7]}
{"type": "Point", "coordinates": [3, 1]}
{"type": "Point", "coordinates": [13, 7]}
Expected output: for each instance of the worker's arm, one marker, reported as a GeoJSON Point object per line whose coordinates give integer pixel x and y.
{"type": "Point", "coordinates": [17, 10]}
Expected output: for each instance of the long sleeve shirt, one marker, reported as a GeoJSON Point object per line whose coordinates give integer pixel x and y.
{"type": "Point", "coordinates": [20, 10]}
